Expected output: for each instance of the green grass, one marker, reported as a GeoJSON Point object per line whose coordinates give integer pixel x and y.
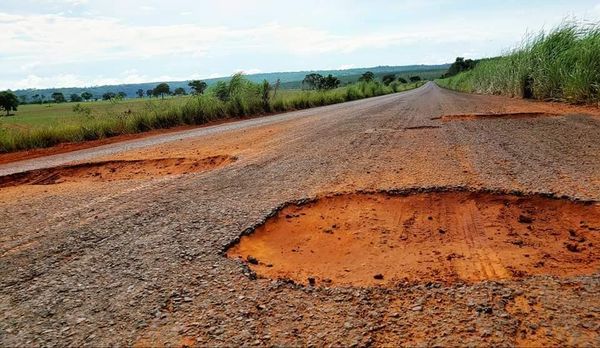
{"type": "Point", "coordinates": [561, 65]}
{"type": "Point", "coordinates": [38, 126]}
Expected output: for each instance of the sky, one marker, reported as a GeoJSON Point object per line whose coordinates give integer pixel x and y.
{"type": "Point", "coordinates": [79, 43]}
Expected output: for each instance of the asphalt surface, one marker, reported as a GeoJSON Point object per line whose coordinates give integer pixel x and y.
{"type": "Point", "coordinates": [140, 261]}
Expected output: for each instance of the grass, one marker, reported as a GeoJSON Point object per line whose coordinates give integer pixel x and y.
{"type": "Point", "coordinates": [561, 65]}
{"type": "Point", "coordinates": [38, 126]}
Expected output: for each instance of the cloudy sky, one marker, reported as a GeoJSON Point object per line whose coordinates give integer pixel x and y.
{"type": "Point", "coordinates": [67, 43]}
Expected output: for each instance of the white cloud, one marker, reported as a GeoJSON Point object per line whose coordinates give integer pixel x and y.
{"type": "Point", "coordinates": [346, 66]}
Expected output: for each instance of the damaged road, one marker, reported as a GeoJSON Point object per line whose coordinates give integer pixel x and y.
{"type": "Point", "coordinates": [138, 260]}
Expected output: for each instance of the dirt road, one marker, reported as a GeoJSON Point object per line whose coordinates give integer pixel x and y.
{"type": "Point", "coordinates": [129, 246]}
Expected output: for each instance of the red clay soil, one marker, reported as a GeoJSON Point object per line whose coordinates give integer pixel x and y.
{"type": "Point", "coordinates": [115, 170]}
{"type": "Point", "coordinates": [380, 239]}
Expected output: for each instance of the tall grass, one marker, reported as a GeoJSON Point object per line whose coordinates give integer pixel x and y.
{"type": "Point", "coordinates": [561, 65]}
{"type": "Point", "coordinates": [234, 99]}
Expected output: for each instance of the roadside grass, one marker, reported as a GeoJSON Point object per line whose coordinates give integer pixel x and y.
{"type": "Point", "coordinates": [38, 126]}
{"type": "Point", "coordinates": [561, 65]}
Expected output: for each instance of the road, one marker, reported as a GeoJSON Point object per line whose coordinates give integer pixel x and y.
{"type": "Point", "coordinates": [93, 259]}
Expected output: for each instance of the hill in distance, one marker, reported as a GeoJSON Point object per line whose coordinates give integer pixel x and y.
{"type": "Point", "coordinates": [288, 80]}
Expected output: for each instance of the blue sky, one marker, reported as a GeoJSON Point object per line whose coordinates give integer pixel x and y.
{"type": "Point", "coordinates": [68, 43]}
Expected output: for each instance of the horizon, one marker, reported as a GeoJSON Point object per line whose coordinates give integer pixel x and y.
{"type": "Point", "coordinates": [95, 43]}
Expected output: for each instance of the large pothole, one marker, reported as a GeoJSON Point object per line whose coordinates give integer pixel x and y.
{"type": "Point", "coordinates": [380, 238]}
{"type": "Point", "coordinates": [115, 170]}
{"type": "Point", "coordinates": [493, 115]}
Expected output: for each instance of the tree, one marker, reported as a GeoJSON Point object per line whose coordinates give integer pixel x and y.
{"type": "Point", "coordinates": [460, 64]}
{"type": "Point", "coordinates": [8, 101]}
{"type": "Point", "coordinates": [86, 95]}
{"type": "Point", "coordinates": [367, 77]}
{"type": "Point", "coordinates": [23, 99]}
{"type": "Point", "coordinates": [149, 93]}
{"type": "Point", "coordinates": [312, 81]}
{"type": "Point", "coordinates": [329, 82]}
{"type": "Point", "coordinates": [140, 93]}
{"type": "Point", "coordinates": [179, 91]}
{"type": "Point", "coordinates": [108, 96]}
{"type": "Point", "coordinates": [36, 99]}
{"type": "Point", "coordinates": [415, 78]}
{"type": "Point", "coordinates": [197, 86]}
{"type": "Point", "coordinates": [402, 80]}
{"type": "Point", "coordinates": [75, 98]}
{"type": "Point", "coordinates": [161, 89]}
{"type": "Point", "coordinates": [58, 97]}
{"type": "Point", "coordinates": [388, 78]}
{"type": "Point", "coordinates": [121, 95]}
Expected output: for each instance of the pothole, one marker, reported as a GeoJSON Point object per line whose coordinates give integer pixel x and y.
{"type": "Point", "coordinates": [115, 170]}
{"type": "Point", "coordinates": [479, 116]}
{"type": "Point", "coordinates": [382, 239]}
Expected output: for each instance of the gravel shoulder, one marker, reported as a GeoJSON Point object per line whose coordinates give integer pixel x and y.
{"type": "Point", "coordinates": [140, 261]}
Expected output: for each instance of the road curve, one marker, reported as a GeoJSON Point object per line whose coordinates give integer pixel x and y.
{"type": "Point", "coordinates": [94, 261]}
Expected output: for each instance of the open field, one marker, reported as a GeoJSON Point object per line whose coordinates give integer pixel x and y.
{"type": "Point", "coordinates": [561, 65]}
{"type": "Point", "coordinates": [45, 125]}
{"type": "Point", "coordinates": [423, 218]}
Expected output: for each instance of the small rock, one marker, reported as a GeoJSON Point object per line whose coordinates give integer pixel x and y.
{"type": "Point", "coordinates": [378, 276]}
{"type": "Point", "coordinates": [417, 308]}
{"type": "Point", "coordinates": [311, 281]}
{"type": "Point", "coordinates": [252, 260]}
{"type": "Point", "coordinates": [524, 219]}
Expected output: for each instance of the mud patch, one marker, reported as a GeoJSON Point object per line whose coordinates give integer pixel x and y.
{"type": "Point", "coordinates": [115, 170]}
{"type": "Point", "coordinates": [485, 116]}
{"type": "Point", "coordinates": [367, 239]}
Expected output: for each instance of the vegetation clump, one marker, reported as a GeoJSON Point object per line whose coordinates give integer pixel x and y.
{"type": "Point", "coordinates": [561, 65]}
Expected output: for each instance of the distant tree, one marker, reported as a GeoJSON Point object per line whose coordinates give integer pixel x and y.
{"type": "Point", "coordinates": [161, 89]}
{"type": "Point", "coordinates": [149, 93]}
{"type": "Point", "coordinates": [75, 97]}
{"type": "Point", "coordinates": [36, 99]}
{"type": "Point", "coordinates": [367, 77]}
{"type": "Point", "coordinates": [140, 93]}
{"type": "Point", "coordinates": [329, 82]}
{"type": "Point", "coordinates": [402, 80]}
{"type": "Point", "coordinates": [121, 95]}
{"type": "Point", "coordinates": [312, 81]}
{"type": "Point", "coordinates": [179, 91]}
{"type": "Point", "coordinates": [388, 78]}
{"type": "Point", "coordinates": [108, 96]}
{"type": "Point", "coordinates": [197, 86]}
{"type": "Point", "coordinates": [86, 95]}
{"type": "Point", "coordinates": [8, 101]}
{"type": "Point", "coordinates": [58, 97]}
{"type": "Point", "coordinates": [23, 99]}
{"type": "Point", "coordinates": [460, 64]}
{"type": "Point", "coordinates": [415, 78]}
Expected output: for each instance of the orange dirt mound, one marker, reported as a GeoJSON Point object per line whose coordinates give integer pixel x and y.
{"type": "Point", "coordinates": [370, 239]}
{"type": "Point", "coordinates": [115, 170]}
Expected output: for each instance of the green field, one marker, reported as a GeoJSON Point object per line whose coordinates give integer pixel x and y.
{"type": "Point", "coordinates": [44, 125]}
{"type": "Point", "coordinates": [562, 65]}
{"type": "Point", "coordinates": [30, 116]}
